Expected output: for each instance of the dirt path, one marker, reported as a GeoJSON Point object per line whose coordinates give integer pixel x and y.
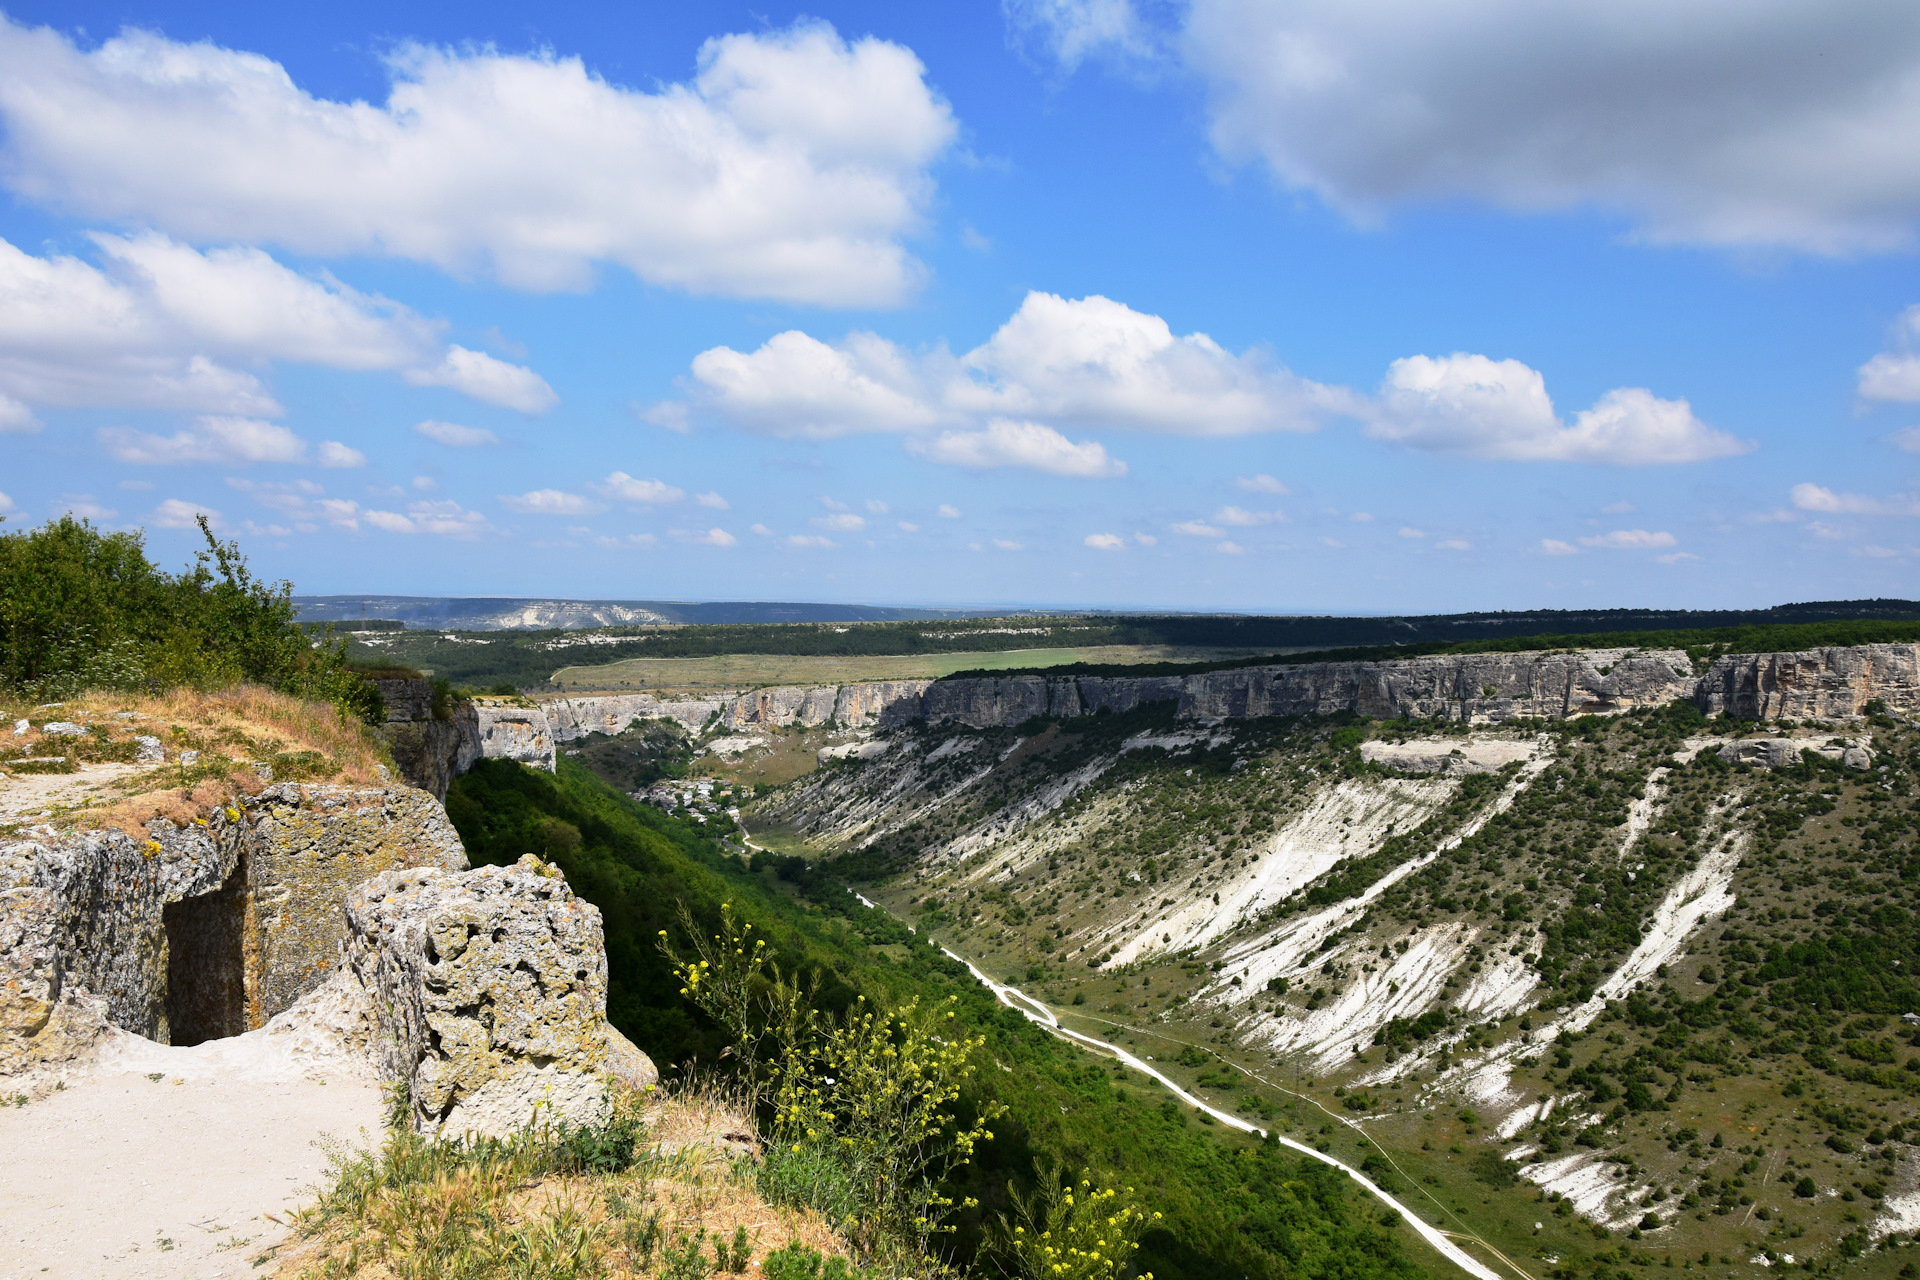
{"type": "Point", "coordinates": [121, 1176]}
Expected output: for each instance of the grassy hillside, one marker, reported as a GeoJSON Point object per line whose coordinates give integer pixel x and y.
{"type": "Point", "coordinates": [1700, 968]}
{"type": "Point", "coordinates": [1233, 1207]}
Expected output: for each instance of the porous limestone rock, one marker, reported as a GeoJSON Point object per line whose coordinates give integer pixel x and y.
{"type": "Point", "coordinates": [511, 730]}
{"type": "Point", "coordinates": [195, 933]}
{"type": "Point", "coordinates": [1814, 684]}
{"type": "Point", "coordinates": [1448, 755]}
{"type": "Point", "coordinates": [490, 988]}
{"type": "Point", "coordinates": [810, 707]}
{"type": "Point", "coordinates": [610, 714]}
{"type": "Point", "coordinates": [309, 847]}
{"type": "Point", "coordinates": [1784, 753]}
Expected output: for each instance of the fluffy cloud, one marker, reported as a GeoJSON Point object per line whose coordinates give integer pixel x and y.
{"type": "Point", "coordinates": [16, 418]}
{"type": "Point", "coordinates": [1895, 375]}
{"type": "Point", "coordinates": [160, 325]}
{"type": "Point", "coordinates": [454, 435]}
{"type": "Point", "coordinates": [176, 514]}
{"type": "Point", "coordinates": [491, 381]}
{"type": "Point", "coordinates": [1500, 409]}
{"type": "Point", "coordinates": [809, 540]}
{"type": "Point", "coordinates": [1105, 542]}
{"type": "Point", "coordinates": [6, 504]}
{"type": "Point", "coordinates": [1003, 443]}
{"type": "Point", "coordinates": [1555, 547]}
{"type": "Point", "coordinates": [1631, 540]}
{"type": "Point", "coordinates": [789, 167]}
{"type": "Point", "coordinates": [713, 500]}
{"type": "Point", "coordinates": [841, 522]}
{"type": "Point", "coordinates": [711, 538]}
{"type": "Point", "coordinates": [444, 519]}
{"type": "Point", "coordinates": [549, 502]}
{"type": "Point", "coordinates": [221, 441]}
{"type": "Point", "coordinates": [622, 487]}
{"type": "Point", "coordinates": [1241, 518]}
{"type": "Point", "coordinates": [1262, 483]}
{"type": "Point", "coordinates": [1057, 362]}
{"type": "Point", "coordinates": [334, 454]}
{"type": "Point", "coordinates": [1813, 497]}
{"type": "Point", "coordinates": [301, 501]}
{"type": "Point", "coordinates": [947, 511]}
{"type": "Point", "coordinates": [1069, 31]}
{"type": "Point", "coordinates": [1199, 529]}
{"type": "Point", "coordinates": [1646, 109]}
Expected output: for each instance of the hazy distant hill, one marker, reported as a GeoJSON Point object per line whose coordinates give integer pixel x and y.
{"type": "Point", "coordinates": [500, 613]}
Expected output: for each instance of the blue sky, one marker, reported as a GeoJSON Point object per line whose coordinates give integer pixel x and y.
{"type": "Point", "coordinates": [1369, 306]}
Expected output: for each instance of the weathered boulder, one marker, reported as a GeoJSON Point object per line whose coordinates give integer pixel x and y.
{"type": "Point", "coordinates": [1784, 753]}
{"type": "Point", "coordinates": [199, 932]}
{"type": "Point", "coordinates": [490, 988]}
{"type": "Point", "coordinates": [1446, 755]}
{"type": "Point", "coordinates": [308, 849]}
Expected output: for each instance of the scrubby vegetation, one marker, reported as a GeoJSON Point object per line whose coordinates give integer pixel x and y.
{"type": "Point", "coordinates": [1231, 1205]}
{"type": "Point", "coordinates": [86, 610]}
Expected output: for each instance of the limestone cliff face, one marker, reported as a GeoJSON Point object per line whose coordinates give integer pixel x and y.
{"type": "Point", "coordinates": [1817, 684]}
{"type": "Point", "coordinates": [1476, 688]}
{"type": "Point", "coordinates": [572, 718]}
{"type": "Point", "coordinates": [1471, 687]}
{"type": "Point", "coordinates": [201, 932]}
{"type": "Point", "coordinates": [507, 730]}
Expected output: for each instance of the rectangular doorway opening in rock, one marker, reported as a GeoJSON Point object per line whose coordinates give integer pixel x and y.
{"type": "Point", "coordinates": [206, 969]}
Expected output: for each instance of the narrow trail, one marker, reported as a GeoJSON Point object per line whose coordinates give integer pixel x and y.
{"type": "Point", "coordinates": [1038, 1012]}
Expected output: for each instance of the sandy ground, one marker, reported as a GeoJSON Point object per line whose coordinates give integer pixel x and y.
{"type": "Point", "coordinates": [123, 1176]}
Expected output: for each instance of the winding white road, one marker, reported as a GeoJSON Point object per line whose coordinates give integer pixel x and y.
{"type": "Point", "coordinates": [1035, 1011]}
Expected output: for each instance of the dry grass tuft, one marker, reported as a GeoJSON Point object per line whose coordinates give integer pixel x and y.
{"type": "Point", "coordinates": [416, 1210]}
{"type": "Point", "coordinates": [235, 731]}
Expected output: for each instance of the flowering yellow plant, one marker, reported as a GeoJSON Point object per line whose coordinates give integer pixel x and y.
{"type": "Point", "coordinates": [1068, 1232]}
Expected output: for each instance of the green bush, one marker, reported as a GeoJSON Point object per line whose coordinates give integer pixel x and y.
{"type": "Point", "coordinates": [81, 609]}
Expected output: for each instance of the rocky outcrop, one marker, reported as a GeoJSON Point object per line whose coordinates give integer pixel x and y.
{"type": "Point", "coordinates": [1473, 688]}
{"type": "Point", "coordinates": [1814, 684]}
{"type": "Point", "coordinates": [1448, 756]}
{"type": "Point", "coordinates": [1784, 753]}
{"type": "Point", "coordinates": [490, 991]}
{"type": "Point", "coordinates": [573, 718]}
{"type": "Point", "coordinates": [507, 729]}
{"type": "Point", "coordinates": [195, 933]}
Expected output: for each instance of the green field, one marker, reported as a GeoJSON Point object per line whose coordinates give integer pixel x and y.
{"type": "Point", "coordinates": [759, 670]}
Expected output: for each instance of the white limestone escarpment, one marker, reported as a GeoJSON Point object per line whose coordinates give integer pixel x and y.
{"type": "Point", "coordinates": [1834, 683]}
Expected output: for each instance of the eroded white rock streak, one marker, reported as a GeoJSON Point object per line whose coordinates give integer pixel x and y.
{"type": "Point", "coordinates": [1037, 1012]}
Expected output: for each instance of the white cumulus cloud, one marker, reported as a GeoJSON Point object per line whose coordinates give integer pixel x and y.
{"type": "Point", "coordinates": [622, 487]}
{"type": "Point", "coordinates": [1241, 518]}
{"type": "Point", "coordinates": [1262, 483]}
{"type": "Point", "coordinates": [175, 513]}
{"type": "Point", "coordinates": [811, 540]}
{"type": "Point", "coordinates": [442, 518]}
{"type": "Point", "coordinates": [16, 419]}
{"type": "Point", "coordinates": [455, 435]}
{"type": "Point", "coordinates": [157, 324]}
{"type": "Point", "coordinates": [712, 499]}
{"type": "Point", "coordinates": [947, 511]}
{"type": "Point", "coordinates": [1199, 529]}
{"type": "Point", "coordinates": [1895, 375]}
{"type": "Point", "coordinates": [1555, 547]}
{"type": "Point", "coordinates": [715, 537]}
{"type": "Point", "coordinates": [1087, 362]}
{"type": "Point", "coordinates": [1004, 443]}
{"type": "Point", "coordinates": [221, 441]}
{"type": "Point", "coordinates": [549, 502]}
{"type": "Point", "coordinates": [1813, 497]}
{"type": "Point", "coordinates": [789, 167]}
{"type": "Point", "coordinates": [334, 454]}
{"type": "Point", "coordinates": [1105, 542]}
{"type": "Point", "coordinates": [1645, 109]}
{"type": "Point", "coordinates": [481, 377]}
{"type": "Point", "coordinates": [840, 522]}
{"type": "Point", "coordinates": [1499, 409]}
{"type": "Point", "coordinates": [1631, 540]}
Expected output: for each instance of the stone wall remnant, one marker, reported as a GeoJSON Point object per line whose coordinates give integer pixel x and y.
{"type": "Point", "coordinates": [490, 991]}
